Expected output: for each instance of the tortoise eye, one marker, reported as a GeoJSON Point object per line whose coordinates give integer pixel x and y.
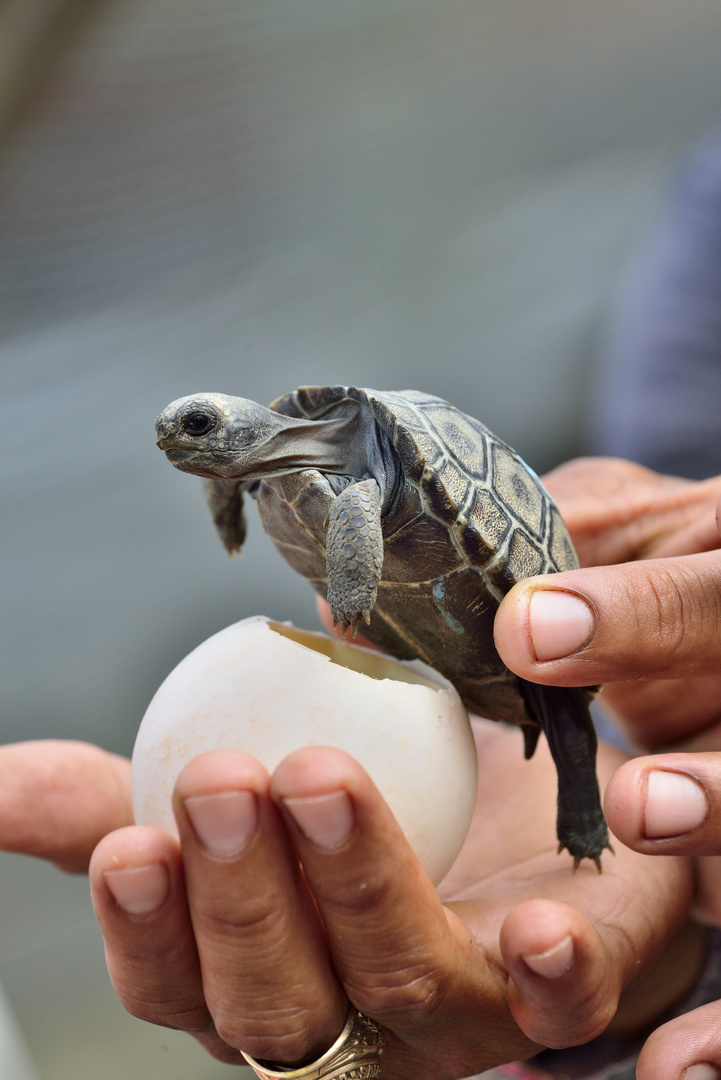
{"type": "Point", "coordinates": [198, 423]}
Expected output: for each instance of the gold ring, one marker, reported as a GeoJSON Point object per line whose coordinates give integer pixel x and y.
{"type": "Point", "coordinates": [355, 1055]}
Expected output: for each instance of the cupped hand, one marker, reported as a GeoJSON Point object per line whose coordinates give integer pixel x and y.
{"type": "Point", "coordinates": [226, 936]}
{"type": "Point", "coordinates": [647, 627]}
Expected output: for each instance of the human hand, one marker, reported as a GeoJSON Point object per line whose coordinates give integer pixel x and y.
{"type": "Point", "coordinates": [663, 804]}
{"type": "Point", "coordinates": [225, 936]}
{"type": "Point", "coordinates": [648, 628]}
{"type": "Point", "coordinates": [57, 799]}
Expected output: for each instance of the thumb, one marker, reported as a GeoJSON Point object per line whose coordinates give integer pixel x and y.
{"type": "Point", "coordinates": [656, 618]}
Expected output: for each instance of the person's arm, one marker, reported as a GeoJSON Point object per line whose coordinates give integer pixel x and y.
{"type": "Point", "coordinates": [655, 390]}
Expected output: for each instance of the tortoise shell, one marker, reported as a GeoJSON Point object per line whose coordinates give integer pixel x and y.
{"type": "Point", "coordinates": [470, 520]}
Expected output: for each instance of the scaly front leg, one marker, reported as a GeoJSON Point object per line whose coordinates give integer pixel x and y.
{"type": "Point", "coordinates": [225, 499]}
{"type": "Point", "coordinates": [354, 553]}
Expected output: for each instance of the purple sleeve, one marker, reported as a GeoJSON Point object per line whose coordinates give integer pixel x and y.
{"type": "Point", "coordinates": [658, 389]}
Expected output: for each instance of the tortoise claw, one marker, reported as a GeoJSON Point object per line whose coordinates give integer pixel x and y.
{"type": "Point", "coordinates": [578, 859]}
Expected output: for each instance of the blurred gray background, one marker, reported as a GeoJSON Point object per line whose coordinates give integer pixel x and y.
{"type": "Point", "coordinates": [245, 197]}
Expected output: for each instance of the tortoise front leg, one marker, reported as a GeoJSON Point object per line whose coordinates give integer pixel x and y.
{"type": "Point", "coordinates": [354, 553]}
{"type": "Point", "coordinates": [225, 499]}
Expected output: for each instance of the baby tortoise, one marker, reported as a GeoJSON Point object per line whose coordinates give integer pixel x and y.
{"type": "Point", "coordinates": [414, 519]}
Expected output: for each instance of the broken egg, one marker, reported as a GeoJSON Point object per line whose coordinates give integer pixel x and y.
{"type": "Point", "coordinates": [267, 688]}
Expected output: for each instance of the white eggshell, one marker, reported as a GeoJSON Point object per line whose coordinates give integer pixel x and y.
{"type": "Point", "coordinates": [267, 689]}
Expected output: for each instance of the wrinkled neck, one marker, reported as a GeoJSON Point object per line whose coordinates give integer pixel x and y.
{"type": "Point", "coordinates": [349, 443]}
{"type": "Point", "coordinates": [327, 445]}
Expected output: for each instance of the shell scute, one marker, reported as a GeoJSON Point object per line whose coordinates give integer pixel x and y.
{"type": "Point", "coordinates": [463, 608]}
{"type": "Point", "coordinates": [523, 559]}
{"type": "Point", "coordinates": [487, 529]}
{"type": "Point", "coordinates": [456, 482]}
{"type": "Point", "coordinates": [400, 415]}
{"type": "Point", "coordinates": [462, 630]}
{"type": "Point", "coordinates": [516, 487]}
{"type": "Point", "coordinates": [412, 454]}
{"type": "Point", "coordinates": [294, 509]}
{"type": "Point", "coordinates": [311, 504]}
{"type": "Point", "coordinates": [560, 547]}
{"type": "Point", "coordinates": [417, 442]}
{"type": "Point", "coordinates": [437, 497]}
{"type": "Point", "coordinates": [409, 508]}
{"type": "Point", "coordinates": [419, 551]}
{"type": "Point", "coordinates": [463, 439]}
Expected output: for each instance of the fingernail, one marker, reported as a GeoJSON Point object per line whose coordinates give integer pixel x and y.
{"type": "Point", "coordinates": [701, 1072]}
{"type": "Point", "coordinates": [326, 820]}
{"type": "Point", "coordinates": [138, 890]}
{"type": "Point", "coordinates": [224, 822]}
{"type": "Point", "coordinates": [561, 623]}
{"type": "Point", "coordinates": [555, 961]}
{"type": "Point", "coordinates": [675, 804]}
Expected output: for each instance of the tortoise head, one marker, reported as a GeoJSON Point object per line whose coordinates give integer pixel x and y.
{"type": "Point", "coordinates": [214, 435]}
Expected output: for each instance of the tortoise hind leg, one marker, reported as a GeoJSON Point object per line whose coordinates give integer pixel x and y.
{"type": "Point", "coordinates": [563, 714]}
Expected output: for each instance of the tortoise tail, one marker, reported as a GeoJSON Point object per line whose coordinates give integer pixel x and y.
{"type": "Point", "coordinates": [562, 713]}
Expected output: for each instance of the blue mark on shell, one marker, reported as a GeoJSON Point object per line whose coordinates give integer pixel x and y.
{"type": "Point", "coordinates": [439, 595]}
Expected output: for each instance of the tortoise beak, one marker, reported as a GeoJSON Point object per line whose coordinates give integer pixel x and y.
{"type": "Point", "coordinates": [164, 432]}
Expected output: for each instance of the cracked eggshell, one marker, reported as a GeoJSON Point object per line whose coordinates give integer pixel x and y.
{"type": "Point", "coordinates": [267, 688]}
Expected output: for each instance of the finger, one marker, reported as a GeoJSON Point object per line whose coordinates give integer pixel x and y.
{"type": "Point", "coordinates": [267, 976]}
{"type": "Point", "coordinates": [138, 894]}
{"type": "Point", "coordinates": [687, 1048]}
{"type": "Point", "coordinates": [668, 714]}
{"type": "Point", "coordinates": [667, 804]}
{"type": "Point", "coordinates": [404, 960]}
{"type": "Point", "coordinates": [617, 511]}
{"type": "Point", "coordinates": [57, 799]}
{"type": "Point", "coordinates": [707, 901]}
{"type": "Point", "coordinates": [657, 618]}
{"type": "Point", "coordinates": [564, 982]}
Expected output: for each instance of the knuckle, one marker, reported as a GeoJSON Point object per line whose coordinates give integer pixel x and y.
{"type": "Point", "coordinates": [586, 1020]}
{"type": "Point", "coordinates": [231, 1032]}
{"type": "Point", "coordinates": [213, 1045]}
{"type": "Point", "coordinates": [410, 996]}
{"type": "Point", "coordinates": [255, 920]}
{"type": "Point", "coordinates": [672, 607]}
{"type": "Point", "coordinates": [274, 1035]}
{"type": "Point", "coordinates": [180, 1013]}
